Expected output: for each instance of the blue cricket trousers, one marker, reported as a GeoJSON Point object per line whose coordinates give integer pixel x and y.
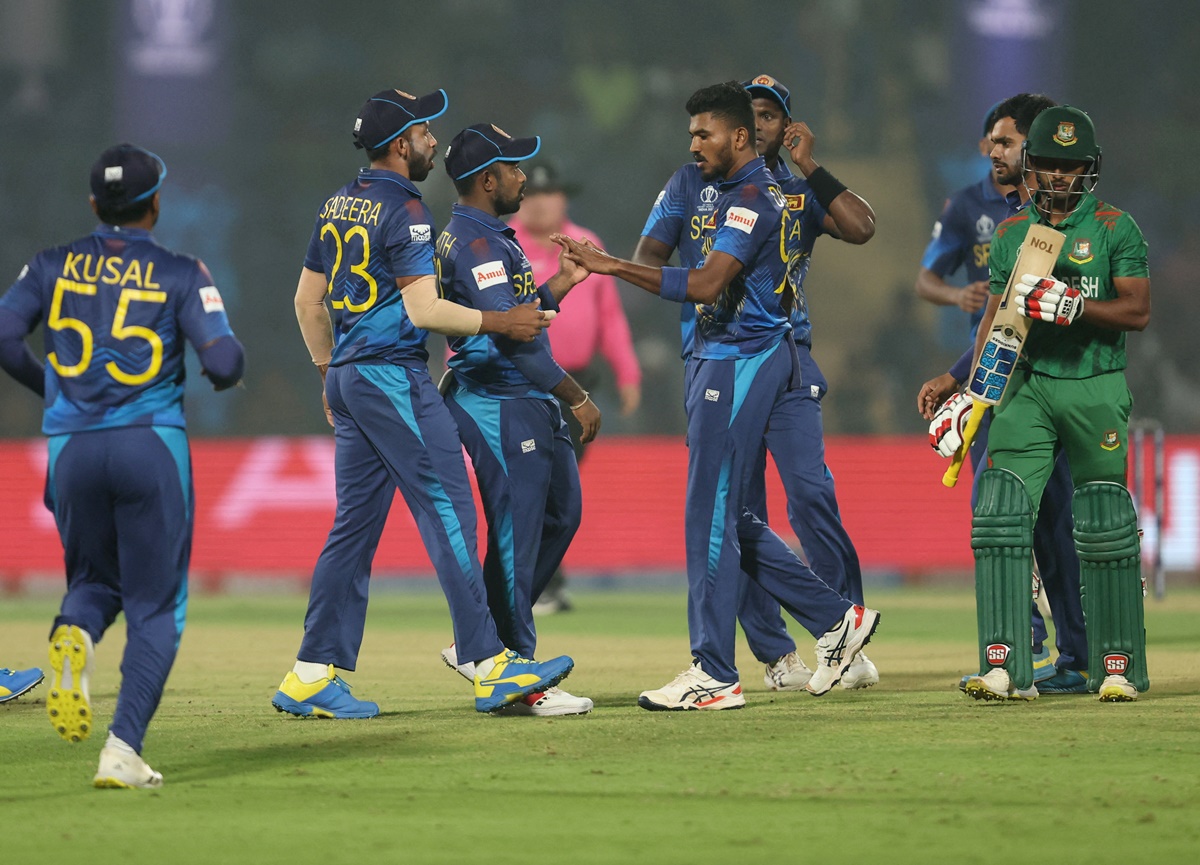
{"type": "Point", "coordinates": [730, 404]}
{"type": "Point", "coordinates": [796, 440]}
{"type": "Point", "coordinates": [122, 499]}
{"type": "Point", "coordinates": [529, 483]}
{"type": "Point", "coordinates": [392, 430]}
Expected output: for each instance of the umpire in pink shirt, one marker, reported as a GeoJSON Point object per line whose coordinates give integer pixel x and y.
{"type": "Point", "coordinates": [591, 320]}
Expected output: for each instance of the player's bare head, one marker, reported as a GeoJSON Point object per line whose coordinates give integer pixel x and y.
{"type": "Point", "coordinates": [1062, 155]}
{"type": "Point", "coordinates": [721, 127]}
{"type": "Point", "coordinates": [1011, 120]}
{"type": "Point", "coordinates": [125, 182]}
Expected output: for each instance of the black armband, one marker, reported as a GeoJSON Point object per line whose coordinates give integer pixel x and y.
{"type": "Point", "coordinates": [825, 186]}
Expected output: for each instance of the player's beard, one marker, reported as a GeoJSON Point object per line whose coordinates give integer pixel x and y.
{"type": "Point", "coordinates": [420, 166]}
{"type": "Point", "coordinates": [505, 205]}
{"type": "Point", "coordinates": [1006, 175]}
{"type": "Point", "coordinates": [717, 168]}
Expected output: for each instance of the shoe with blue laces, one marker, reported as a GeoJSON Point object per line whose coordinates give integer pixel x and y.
{"type": "Point", "coordinates": [14, 683]}
{"type": "Point", "coordinates": [328, 697]}
{"type": "Point", "coordinates": [1065, 682]}
{"type": "Point", "coordinates": [513, 678]}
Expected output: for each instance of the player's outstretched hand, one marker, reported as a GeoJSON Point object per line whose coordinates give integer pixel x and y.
{"type": "Point", "coordinates": [973, 296]}
{"type": "Point", "coordinates": [935, 392]}
{"type": "Point", "coordinates": [946, 428]}
{"type": "Point", "coordinates": [588, 416]}
{"type": "Point", "coordinates": [585, 254]}
{"type": "Point", "coordinates": [1044, 298]}
{"type": "Point", "coordinates": [524, 322]}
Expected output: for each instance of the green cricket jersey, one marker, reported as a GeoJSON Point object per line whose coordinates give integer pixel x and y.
{"type": "Point", "coordinates": [1102, 243]}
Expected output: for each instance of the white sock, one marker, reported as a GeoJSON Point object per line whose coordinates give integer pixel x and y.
{"type": "Point", "coordinates": [113, 741]}
{"type": "Point", "coordinates": [309, 672]}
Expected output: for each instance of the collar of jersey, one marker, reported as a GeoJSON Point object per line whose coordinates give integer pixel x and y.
{"type": "Point", "coordinates": [755, 164]}
{"type": "Point", "coordinates": [393, 177]}
{"type": "Point", "coordinates": [121, 231]}
{"type": "Point", "coordinates": [466, 211]}
{"type": "Point", "coordinates": [1087, 204]}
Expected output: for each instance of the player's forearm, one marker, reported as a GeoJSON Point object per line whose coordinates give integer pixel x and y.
{"type": "Point", "coordinates": [569, 391]}
{"type": "Point", "coordinates": [934, 289]}
{"type": "Point", "coordinates": [651, 252]}
{"type": "Point", "coordinates": [1123, 313]}
{"type": "Point", "coordinates": [429, 312]}
{"type": "Point", "coordinates": [558, 286]}
{"type": "Point", "coordinates": [313, 316]}
{"type": "Point", "coordinates": [17, 358]}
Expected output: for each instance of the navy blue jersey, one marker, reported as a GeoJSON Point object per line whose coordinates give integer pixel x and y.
{"type": "Point", "coordinates": [804, 222]}
{"type": "Point", "coordinates": [369, 234]}
{"type": "Point", "coordinates": [962, 236]}
{"type": "Point", "coordinates": [481, 265]}
{"type": "Point", "coordinates": [748, 318]}
{"type": "Point", "coordinates": [117, 307]}
{"type": "Point", "coordinates": [677, 219]}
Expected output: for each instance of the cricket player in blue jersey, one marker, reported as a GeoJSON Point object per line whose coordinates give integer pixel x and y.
{"type": "Point", "coordinates": [743, 363]}
{"type": "Point", "coordinates": [502, 394]}
{"type": "Point", "coordinates": [962, 236]}
{"type": "Point", "coordinates": [372, 255]}
{"type": "Point", "coordinates": [795, 435]}
{"type": "Point", "coordinates": [117, 309]}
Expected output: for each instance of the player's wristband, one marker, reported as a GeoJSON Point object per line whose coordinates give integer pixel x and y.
{"type": "Point", "coordinates": [586, 397]}
{"type": "Point", "coordinates": [673, 285]}
{"type": "Point", "coordinates": [825, 186]}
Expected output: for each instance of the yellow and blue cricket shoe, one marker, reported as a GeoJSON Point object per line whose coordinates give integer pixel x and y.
{"type": "Point", "coordinates": [14, 683]}
{"type": "Point", "coordinates": [328, 697]}
{"type": "Point", "coordinates": [1065, 682]}
{"type": "Point", "coordinates": [68, 704]}
{"type": "Point", "coordinates": [514, 678]}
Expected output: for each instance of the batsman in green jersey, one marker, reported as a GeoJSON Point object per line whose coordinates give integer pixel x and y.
{"type": "Point", "coordinates": [1068, 392]}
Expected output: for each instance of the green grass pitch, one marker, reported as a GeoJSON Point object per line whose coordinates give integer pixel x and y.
{"type": "Point", "coordinates": [909, 771]}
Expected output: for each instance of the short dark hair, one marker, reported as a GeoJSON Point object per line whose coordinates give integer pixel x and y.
{"type": "Point", "coordinates": [728, 101]}
{"type": "Point", "coordinates": [1022, 108]}
{"type": "Point", "coordinates": [125, 215]}
{"type": "Point", "coordinates": [465, 185]}
{"type": "Point", "coordinates": [380, 153]}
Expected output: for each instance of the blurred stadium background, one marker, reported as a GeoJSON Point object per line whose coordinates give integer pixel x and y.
{"type": "Point", "coordinates": [251, 106]}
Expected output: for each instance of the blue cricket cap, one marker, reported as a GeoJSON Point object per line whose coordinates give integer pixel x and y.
{"type": "Point", "coordinates": [765, 85]}
{"type": "Point", "coordinates": [478, 146]}
{"type": "Point", "coordinates": [389, 112]}
{"type": "Point", "coordinates": [125, 175]}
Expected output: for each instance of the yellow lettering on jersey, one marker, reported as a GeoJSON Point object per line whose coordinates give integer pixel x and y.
{"type": "Point", "coordinates": [352, 213]}
{"type": "Point", "coordinates": [373, 216]}
{"type": "Point", "coordinates": [794, 231]}
{"type": "Point", "coordinates": [697, 227]}
{"type": "Point", "coordinates": [523, 283]}
{"type": "Point", "coordinates": [445, 243]}
{"type": "Point", "coordinates": [112, 270]}
{"type": "Point", "coordinates": [981, 252]}
{"type": "Point", "coordinates": [148, 280]}
{"type": "Point", "coordinates": [88, 274]}
{"type": "Point", "coordinates": [133, 274]}
{"type": "Point", "coordinates": [70, 266]}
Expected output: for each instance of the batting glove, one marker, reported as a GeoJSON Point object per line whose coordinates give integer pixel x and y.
{"type": "Point", "coordinates": [946, 428]}
{"type": "Point", "coordinates": [1047, 299]}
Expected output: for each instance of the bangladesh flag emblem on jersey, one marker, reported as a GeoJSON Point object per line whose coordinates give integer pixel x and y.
{"type": "Point", "coordinates": [1111, 440]}
{"type": "Point", "coordinates": [1065, 134]}
{"type": "Point", "coordinates": [1082, 252]}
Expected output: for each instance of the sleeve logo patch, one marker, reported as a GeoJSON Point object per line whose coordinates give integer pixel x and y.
{"type": "Point", "coordinates": [741, 218]}
{"type": "Point", "coordinates": [661, 196]}
{"type": "Point", "coordinates": [24, 272]}
{"type": "Point", "coordinates": [488, 274]}
{"type": "Point", "coordinates": [421, 233]}
{"type": "Point", "coordinates": [210, 299]}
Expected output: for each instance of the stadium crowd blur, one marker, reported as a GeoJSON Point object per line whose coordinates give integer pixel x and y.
{"type": "Point", "coordinates": [251, 105]}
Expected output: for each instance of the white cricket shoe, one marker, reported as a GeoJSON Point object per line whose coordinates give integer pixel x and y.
{"type": "Point", "coordinates": [789, 673]}
{"type": "Point", "coordinates": [68, 703]}
{"type": "Point", "coordinates": [996, 684]}
{"type": "Point", "coordinates": [122, 769]}
{"type": "Point", "coordinates": [465, 669]}
{"type": "Point", "coordinates": [1117, 689]}
{"type": "Point", "coordinates": [693, 689]}
{"type": "Point", "coordinates": [860, 674]}
{"type": "Point", "coordinates": [839, 645]}
{"type": "Point", "coordinates": [552, 701]}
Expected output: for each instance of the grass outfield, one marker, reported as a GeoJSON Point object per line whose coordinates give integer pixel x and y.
{"type": "Point", "coordinates": [909, 771]}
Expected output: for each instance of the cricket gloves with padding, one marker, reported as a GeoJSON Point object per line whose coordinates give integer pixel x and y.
{"type": "Point", "coordinates": [1044, 298]}
{"type": "Point", "coordinates": [946, 428]}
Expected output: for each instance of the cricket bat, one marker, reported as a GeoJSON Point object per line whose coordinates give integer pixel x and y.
{"type": "Point", "coordinates": [993, 372]}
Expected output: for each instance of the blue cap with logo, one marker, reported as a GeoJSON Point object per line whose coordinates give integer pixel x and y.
{"type": "Point", "coordinates": [125, 175]}
{"type": "Point", "coordinates": [478, 146]}
{"type": "Point", "coordinates": [389, 112]}
{"type": "Point", "coordinates": [765, 85]}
